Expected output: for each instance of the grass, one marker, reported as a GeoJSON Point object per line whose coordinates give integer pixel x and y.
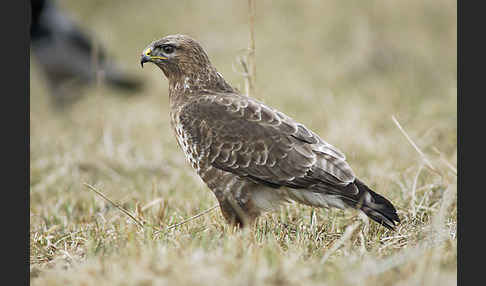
{"type": "Point", "coordinates": [346, 69]}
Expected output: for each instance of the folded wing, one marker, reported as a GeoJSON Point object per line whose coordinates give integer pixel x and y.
{"type": "Point", "coordinates": [240, 135]}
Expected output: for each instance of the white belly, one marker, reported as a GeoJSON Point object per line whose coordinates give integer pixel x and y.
{"type": "Point", "coordinates": [269, 199]}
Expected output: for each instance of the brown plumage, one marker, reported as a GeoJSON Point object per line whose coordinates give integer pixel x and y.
{"type": "Point", "coordinates": [251, 156]}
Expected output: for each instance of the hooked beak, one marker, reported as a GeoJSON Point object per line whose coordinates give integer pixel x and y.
{"type": "Point", "coordinates": [144, 59]}
{"type": "Point", "coordinates": [147, 57]}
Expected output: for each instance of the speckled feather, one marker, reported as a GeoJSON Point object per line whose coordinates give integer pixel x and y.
{"type": "Point", "coordinates": [240, 135]}
{"type": "Point", "coordinates": [253, 157]}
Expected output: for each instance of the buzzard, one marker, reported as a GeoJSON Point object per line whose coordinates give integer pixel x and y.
{"type": "Point", "coordinates": [253, 157]}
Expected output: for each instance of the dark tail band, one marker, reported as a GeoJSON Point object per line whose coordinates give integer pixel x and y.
{"type": "Point", "coordinates": [375, 206]}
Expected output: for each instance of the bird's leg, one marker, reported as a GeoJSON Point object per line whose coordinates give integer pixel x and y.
{"type": "Point", "coordinates": [236, 211]}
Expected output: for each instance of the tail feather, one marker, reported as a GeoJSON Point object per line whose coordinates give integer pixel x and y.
{"type": "Point", "coordinates": [375, 206]}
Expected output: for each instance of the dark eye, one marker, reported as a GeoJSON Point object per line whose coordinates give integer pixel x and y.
{"type": "Point", "coordinates": [168, 49]}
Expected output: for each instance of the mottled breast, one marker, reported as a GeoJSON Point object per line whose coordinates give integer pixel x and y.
{"type": "Point", "coordinates": [187, 142]}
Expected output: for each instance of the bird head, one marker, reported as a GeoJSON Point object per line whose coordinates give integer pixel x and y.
{"type": "Point", "coordinates": [176, 55]}
{"type": "Point", "coordinates": [185, 63]}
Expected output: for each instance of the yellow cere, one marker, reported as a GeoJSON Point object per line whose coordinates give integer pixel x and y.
{"type": "Point", "coordinates": [149, 50]}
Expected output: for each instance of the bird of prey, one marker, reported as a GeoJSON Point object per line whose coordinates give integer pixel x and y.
{"type": "Point", "coordinates": [252, 156]}
{"type": "Point", "coordinates": [66, 55]}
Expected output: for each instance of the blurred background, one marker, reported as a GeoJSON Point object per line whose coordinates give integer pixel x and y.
{"type": "Point", "coordinates": [342, 68]}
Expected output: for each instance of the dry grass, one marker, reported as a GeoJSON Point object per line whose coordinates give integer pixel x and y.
{"type": "Point", "coordinates": [343, 68]}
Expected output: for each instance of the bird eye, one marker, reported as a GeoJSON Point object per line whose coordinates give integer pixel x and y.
{"type": "Point", "coordinates": [168, 49]}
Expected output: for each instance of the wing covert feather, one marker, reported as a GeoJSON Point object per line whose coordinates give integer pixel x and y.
{"type": "Point", "coordinates": [243, 136]}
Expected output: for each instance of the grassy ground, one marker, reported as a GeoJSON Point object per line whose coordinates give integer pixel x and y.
{"type": "Point", "coordinates": [343, 68]}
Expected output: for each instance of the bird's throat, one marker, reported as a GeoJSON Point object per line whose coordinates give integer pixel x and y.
{"type": "Point", "coordinates": [188, 85]}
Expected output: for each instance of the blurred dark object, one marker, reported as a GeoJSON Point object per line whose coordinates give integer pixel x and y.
{"type": "Point", "coordinates": [69, 56]}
